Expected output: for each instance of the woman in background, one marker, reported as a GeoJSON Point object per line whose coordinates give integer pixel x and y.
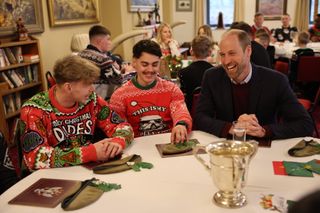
{"type": "Point", "coordinates": [164, 38]}
{"type": "Point", "coordinates": [205, 30]}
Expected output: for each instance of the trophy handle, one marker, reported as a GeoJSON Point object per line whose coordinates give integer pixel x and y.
{"type": "Point", "coordinates": [200, 159]}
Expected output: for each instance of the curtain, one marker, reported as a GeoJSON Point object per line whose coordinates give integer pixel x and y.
{"type": "Point", "coordinates": [199, 13]}
{"type": "Point", "coordinates": [301, 20]}
{"type": "Point", "coordinates": [238, 10]}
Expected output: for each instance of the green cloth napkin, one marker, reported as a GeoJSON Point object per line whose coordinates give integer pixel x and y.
{"type": "Point", "coordinates": [305, 148]}
{"type": "Point", "coordinates": [170, 148]}
{"type": "Point", "coordinates": [296, 169]}
{"type": "Point", "coordinates": [89, 191]}
{"type": "Point", "coordinates": [131, 162]}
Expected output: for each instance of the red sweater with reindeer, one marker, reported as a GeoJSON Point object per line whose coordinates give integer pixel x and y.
{"type": "Point", "coordinates": [153, 109]}
{"type": "Point", "coordinates": [54, 136]}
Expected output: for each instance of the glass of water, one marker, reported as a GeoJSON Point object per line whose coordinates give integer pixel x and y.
{"type": "Point", "coordinates": [239, 131]}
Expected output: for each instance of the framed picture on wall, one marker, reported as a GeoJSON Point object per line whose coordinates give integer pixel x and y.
{"type": "Point", "coordinates": [272, 10]}
{"type": "Point", "coordinates": [73, 12]}
{"type": "Point", "coordinates": [142, 5]}
{"type": "Point", "coordinates": [183, 5]}
{"type": "Point", "coordinates": [29, 10]}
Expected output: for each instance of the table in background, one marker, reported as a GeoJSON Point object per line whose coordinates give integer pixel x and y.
{"type": "Point", "coordinates": [176, 184]}
{"type": "Point", "coordinates": [286, 49]}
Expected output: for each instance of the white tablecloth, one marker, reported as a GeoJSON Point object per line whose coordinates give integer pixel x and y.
{"type": "Point", "coordinates": [176, 184]}
{"type": "Point", "coordinates": [286, 49]}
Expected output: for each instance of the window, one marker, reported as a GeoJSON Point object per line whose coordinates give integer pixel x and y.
{"type": "Point", "coordinates": [216, 6]}
{"type": "Point", "coordinates": [314, 9]}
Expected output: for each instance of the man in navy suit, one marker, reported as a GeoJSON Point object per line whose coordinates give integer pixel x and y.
{"type": "Point", "coordinates": [240, 90]}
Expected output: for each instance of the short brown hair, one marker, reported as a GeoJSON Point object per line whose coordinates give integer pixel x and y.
{"type": "Point", "coordinates": [303, 38]}
{"type": "Point", "coordinates": [243, 37]}
{"type": "Point", "coordinates": [201, 45]}
{"type": "Point", "coordinates": [73, 68]}
{"type": "Point", "coordinates": [98, 30]}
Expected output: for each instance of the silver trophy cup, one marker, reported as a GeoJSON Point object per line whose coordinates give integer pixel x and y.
{"type": "Point", "coordinates": [229, 164]}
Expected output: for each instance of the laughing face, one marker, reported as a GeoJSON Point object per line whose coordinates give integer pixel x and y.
{"type": "Point", "coordinates": [234, 59]}
{"type": "Point", "coordinates": [147, 67]}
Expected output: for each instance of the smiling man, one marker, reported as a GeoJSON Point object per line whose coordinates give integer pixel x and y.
{"type": "Point", "coordinates": [240, 90]}
{"type": "Point", "coordinates": [150, 104]}
{"type": "Point", "coordinates": [58, 126]}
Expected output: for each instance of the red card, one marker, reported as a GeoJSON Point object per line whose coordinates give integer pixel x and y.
{"type": "Point", "coordinates": [278, 168]}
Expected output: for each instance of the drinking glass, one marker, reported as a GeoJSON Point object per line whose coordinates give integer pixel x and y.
{"type": "Point", "coordinates": [239, 131]}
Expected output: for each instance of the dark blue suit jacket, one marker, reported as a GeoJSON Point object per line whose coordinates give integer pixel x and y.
{"type": "Point", "coordinates": [270, 98]}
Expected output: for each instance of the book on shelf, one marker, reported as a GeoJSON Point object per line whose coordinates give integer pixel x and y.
{"type": "Point", "coordinates": [21, 74]}
{"type": "Point", "coordinates": [15, 78]}
{"type": "Point", "coordinates": [17, 52]}
{"type": "Point", "coordinates": [6, 79]}
{"type": "Point", "coordinates": [17, 99]}
{"type": "Point", "coordinates": [12, 59]}
{"type": "Point", "coordinates": [35, 74]}
{"type": "Point", "coordinates": [3, 62]}
{"type": "Point", "coordinates": [10, 105]}
{"type": "Point", "coordinates": [31, 57]}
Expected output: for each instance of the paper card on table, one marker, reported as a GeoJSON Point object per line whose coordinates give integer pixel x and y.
{"type": "Point", "coordinates": [278, 168]}
{"type": "Point", "coordinates": [46, 192]}
{"type": "Point", "coordinates": [296, 169]}
{"type": "Point", "coordinates": [171, 150]}
{"type": "Point", "coordinates": [274, 203]}
{"type": "Point", "coordinates": [313, 166]}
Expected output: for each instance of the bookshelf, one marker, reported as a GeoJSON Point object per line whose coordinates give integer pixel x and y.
{"type": "Point", "coordinates": [20, 79]}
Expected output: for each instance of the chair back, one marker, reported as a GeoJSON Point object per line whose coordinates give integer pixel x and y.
{"type": "Point", "coordinates": [308, 69]}
{"type": "Point", "coordinates": [282, 67]}
{"type": "Point", "coordinates": [195, 99]}
{"type": "Point", "coordinates": [50, 80]}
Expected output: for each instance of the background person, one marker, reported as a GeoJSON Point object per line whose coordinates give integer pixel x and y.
{"type": "Point", "coordinates": [285, 33]}
{"type": "Point", "coordinates": [110, 66]}
{"type": "Point", "coordinates": [150, 104]}
{"type": "Point", "coordinates": [59, 124]}
{"type": "Point", "coordinates": [164, 38]}
{"type": "Point", "coordinates": [191, 76]}
{"type": "Point", "coordinates": [315, 30]}
{"type": "Point", "coordinates": [205, 30]}
{"type": "Point", "coordinates": [242, 91]}
{"type": "Point", "coordinates": [258, 24]}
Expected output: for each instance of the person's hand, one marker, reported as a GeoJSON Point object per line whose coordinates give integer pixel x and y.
{"type": "Point", "coordinates": [179, 134]}
{"type": "Point", "coordinates": [253, 127]}
{"type": "Point", "coordinates": [107, 149]}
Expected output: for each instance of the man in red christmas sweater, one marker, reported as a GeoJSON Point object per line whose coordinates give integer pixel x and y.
{"type": "Point", "coordinates": [150, 104]}
{"type": "Point", "coordinates": [58, 126]}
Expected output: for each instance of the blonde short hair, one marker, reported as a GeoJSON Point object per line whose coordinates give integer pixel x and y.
{"type": "Point", "coordinates": [73, 68]}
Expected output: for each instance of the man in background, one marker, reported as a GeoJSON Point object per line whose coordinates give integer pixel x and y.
{"type": "Point", "coordinates": [315, 30]}
{"type": "Point", "coordinates": [98, 53]}
{"type": "Point", "coordinates": [286, 32]}
{"type": "Point", "coordinates": [258, 24]}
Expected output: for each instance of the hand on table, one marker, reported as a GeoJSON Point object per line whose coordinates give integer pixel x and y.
{"type": "Point", "coordinates": [179, 134]}
{"type": "Point", "coordinates": [107, 149]}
